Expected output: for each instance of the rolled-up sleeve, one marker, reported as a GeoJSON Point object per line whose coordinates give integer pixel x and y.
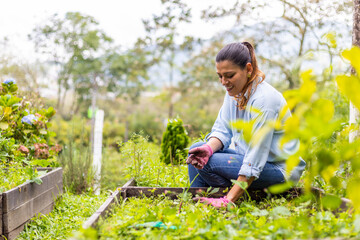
{"type": "Point", "coordinates": [257, 153]}
{"type": "Point", "coordinates": [221, 128]}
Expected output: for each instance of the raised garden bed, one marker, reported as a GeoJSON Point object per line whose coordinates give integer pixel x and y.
{"type": "Point", "coordinates": [20, 204]}
{"type": "Point", "coordinates": [131, 190]}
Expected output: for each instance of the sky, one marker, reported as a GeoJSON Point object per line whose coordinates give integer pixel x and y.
{"type": "Point", "coordinates": [120, 19]}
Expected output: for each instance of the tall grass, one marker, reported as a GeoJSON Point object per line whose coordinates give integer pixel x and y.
{"type": "Point", "coordinates": [76, 160]}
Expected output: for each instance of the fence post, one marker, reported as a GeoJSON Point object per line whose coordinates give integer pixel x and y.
{"type": "Point", "coordinates": [99, 120]}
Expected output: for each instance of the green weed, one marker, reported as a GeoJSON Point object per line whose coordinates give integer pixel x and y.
{"type": "Point", "coordinates": [270, 219]}
{"type": "Point", "coordinates": [68, 215]}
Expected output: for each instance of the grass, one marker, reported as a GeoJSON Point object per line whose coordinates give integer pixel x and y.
{"type": "Point", "coordinates": [270, 219]}
{"type": "Point", "coordinates": [68, 215]}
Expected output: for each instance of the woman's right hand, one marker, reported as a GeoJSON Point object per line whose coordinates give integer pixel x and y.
{"type": "Point", "coordinates": [199, 156]}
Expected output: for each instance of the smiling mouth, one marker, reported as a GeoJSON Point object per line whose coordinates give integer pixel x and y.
{"type": "Point", "coordinates": [229, 88]}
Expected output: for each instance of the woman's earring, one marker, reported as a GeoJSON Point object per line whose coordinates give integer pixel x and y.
{"type": "Point", "coordinates": [249, 75]}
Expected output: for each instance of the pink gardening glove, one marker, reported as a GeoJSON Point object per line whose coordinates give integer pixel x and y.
{"type": "Point", "coordinates": [199, 156]}
{"type": "Point", "coordinates": [215, 202]}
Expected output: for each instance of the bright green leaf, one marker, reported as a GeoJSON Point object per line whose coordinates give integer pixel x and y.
{"type": "Point", "coordinates": [349, 86]}
{"type": "Point", "coordinates": [281, 187]}
{"type": "Point", "coordinates": [353, 193]}
{"type": "Point", "coordinates": [331, 202]}
{"type": "Point", "coordinates": [353, 55]}
{"type": "Point", "coordinates": [243, 185]}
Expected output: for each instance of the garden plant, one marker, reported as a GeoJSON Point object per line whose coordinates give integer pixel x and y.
{"type": "Point", "coordinates": [26, 142]}
{"type": "Point", "coordinates": [174, 142]}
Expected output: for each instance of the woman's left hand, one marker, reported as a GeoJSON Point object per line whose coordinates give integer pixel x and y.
{"type": "Point", "coordinates": [215, 202]}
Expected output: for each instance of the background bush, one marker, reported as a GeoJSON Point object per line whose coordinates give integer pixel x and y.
{"type": "Point", "coordinates": [174, 142]}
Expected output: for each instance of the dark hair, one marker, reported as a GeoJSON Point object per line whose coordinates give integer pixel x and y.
{"type": "Point", "coordinates": [240, 54]}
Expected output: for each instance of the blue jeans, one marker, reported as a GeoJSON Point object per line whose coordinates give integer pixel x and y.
{"type": "Point", "coordinates": [225, 165]}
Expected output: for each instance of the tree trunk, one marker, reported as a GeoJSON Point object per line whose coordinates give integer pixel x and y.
{"type": "Point", "coordinates": [354, 113]}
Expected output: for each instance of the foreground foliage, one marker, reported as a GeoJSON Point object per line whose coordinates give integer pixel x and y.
{"type": "Point", "coordinates": [271, 219]}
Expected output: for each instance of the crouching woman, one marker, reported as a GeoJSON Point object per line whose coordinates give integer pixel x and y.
{"type": "Point", "coordinates": [259, 165]}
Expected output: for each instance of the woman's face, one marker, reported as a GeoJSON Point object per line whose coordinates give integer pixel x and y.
{"type": "Point", "coordinates": [232, 77]}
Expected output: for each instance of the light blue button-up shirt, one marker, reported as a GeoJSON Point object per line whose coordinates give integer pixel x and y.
{"type": "Point", "coordinates": [270, 102]}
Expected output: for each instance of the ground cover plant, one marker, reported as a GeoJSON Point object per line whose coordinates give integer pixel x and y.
{"type": "Point", "coordinates": [69, 213]}
{"type": "Point", "coordinates": [278, 218]}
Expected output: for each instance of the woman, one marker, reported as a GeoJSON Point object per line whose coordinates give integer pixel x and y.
{"type": "Point", "coordinates": [259, 165]}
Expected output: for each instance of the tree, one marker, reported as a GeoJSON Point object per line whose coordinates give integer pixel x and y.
{"type": "Point", "coordinates": [281, 41]}
{"type": "Point", "coordinates": [164, 39]}
{"type": "Point", "coordinates": [75, 44]}
{"type": "Point", "coordinates": [354, 112]}
{"type": "Point", "coordinates": [201, 91]}
{"type": "Point", "coordinates": [126, 73]}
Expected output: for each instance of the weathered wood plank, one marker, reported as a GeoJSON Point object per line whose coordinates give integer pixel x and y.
{"type": "Point", "coordinates": [27, 191]}
{"type": "Point", "coordinates": [14, 233]}
{"type": "Point", "coordinates": [345, 205]}
{"type": "Point", "coordinates": [129, 183]}
{"type": "Point", "coordinates": [101, 212]}
{"type": "Point", "coordinates": [122, 193]}
{"type": "Point", "coordinates": [20, 215]}
{"type": "Point", "coordinates": [105, 207]}
{"type": "Point", "coordinates": [173, 192]}
{"type": "Point", "coordinates": [1, 218]}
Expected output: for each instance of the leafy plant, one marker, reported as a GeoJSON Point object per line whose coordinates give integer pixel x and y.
{"type": "Point", "coordinates": [270, 219]}
{"type": "Point", "coordinates": [145, 165]}
{"type": "Point", "coordinates": [174, 142]}
{"type": "Point", "coordinates": [26, 126]}
{"type": "Point", "coordinates": [24, 138]}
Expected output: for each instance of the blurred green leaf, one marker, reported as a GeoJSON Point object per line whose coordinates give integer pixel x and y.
{"type": "Point", "coordinates": [281, 187]}
{"type": "Point", "coordinates": [349, 86]}
{"type": "Point", "coordinates": [331, 202]}
{"type": "Point", "coordinates": [353, 193]}
{"type": "Point", "coordinates": [353, 55]}
{"type": "Point", "coordinates": [243, 185]}
{"type": "Point", "coordinates": [281, 211]}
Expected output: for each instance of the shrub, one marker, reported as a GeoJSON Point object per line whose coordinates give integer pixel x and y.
{"type": "Point", "coordinates": [25, 127]}
{"type": "Point", "coordinates": [24, 138]}
{"type": "Point", "coordinates": [174, 142]}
